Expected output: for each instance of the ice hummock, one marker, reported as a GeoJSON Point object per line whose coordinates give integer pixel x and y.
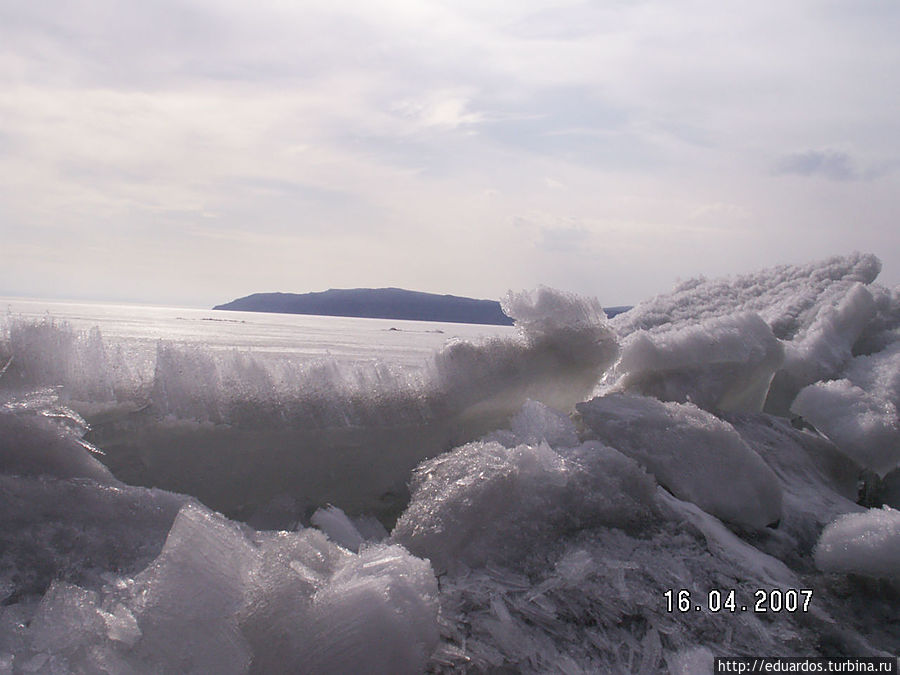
{"type": "Point", "coordinates": [531, 539]}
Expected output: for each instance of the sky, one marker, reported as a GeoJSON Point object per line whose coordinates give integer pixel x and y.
{"type": "Point", "coordinates": [189, 152]}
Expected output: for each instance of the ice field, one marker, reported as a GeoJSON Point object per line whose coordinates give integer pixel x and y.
{"type": "Point", "coordinates": [219, 492]}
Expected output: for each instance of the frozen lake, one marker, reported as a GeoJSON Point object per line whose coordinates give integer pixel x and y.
{"type": "Point", "coordinates": [303, 336]}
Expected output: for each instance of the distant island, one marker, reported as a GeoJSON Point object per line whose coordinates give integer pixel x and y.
{"type": "Point", "coordinates": [376, 303]}
{"type": "Point", "coordinates": [381, 303]}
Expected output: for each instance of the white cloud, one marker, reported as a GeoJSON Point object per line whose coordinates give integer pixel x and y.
{"type": "Point", "coordinates": [441, 109]}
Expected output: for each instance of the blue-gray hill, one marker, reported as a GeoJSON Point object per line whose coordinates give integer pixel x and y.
{"type": "Point", "coordinates": [376, 303]}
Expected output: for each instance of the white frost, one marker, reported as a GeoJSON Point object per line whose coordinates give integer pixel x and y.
{"type": "Point", "coordinates": [862, 543]}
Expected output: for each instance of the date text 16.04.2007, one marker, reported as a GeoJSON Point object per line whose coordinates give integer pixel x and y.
{"type": "Point", "coordinates": [764, 600]}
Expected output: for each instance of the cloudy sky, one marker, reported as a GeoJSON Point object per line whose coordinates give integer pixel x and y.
{"type": "Point", "coordinates": [192, 151]}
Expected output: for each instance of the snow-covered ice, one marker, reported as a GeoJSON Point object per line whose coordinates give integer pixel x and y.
{"type": "Point", "coordinates": [859, 411]}
{"type": "Point", "coordinates": [695, 455]}
{"type": "Point", "coordinates": [720, 364]}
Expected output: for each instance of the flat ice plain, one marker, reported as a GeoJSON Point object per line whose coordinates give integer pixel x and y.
{"type": "Point", "coordinates": [215, 492]}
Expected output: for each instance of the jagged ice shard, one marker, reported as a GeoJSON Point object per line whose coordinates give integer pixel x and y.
{"type": "Point", "coordinates": [520, 503]}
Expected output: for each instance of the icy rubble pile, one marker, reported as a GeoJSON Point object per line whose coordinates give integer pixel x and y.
{"type": "Point", "coordinates": [544, 539]}
{"type": "Point", "coordinates": [820, 341]}
{"type": "Point", "coordinates": [818, 484]}
{"type": "Point", "coordinates": [558, 558]}
{"type": "Point", "coordinates": [144, 581]}
{"type": "Point", "coordinates": [535, 589]}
